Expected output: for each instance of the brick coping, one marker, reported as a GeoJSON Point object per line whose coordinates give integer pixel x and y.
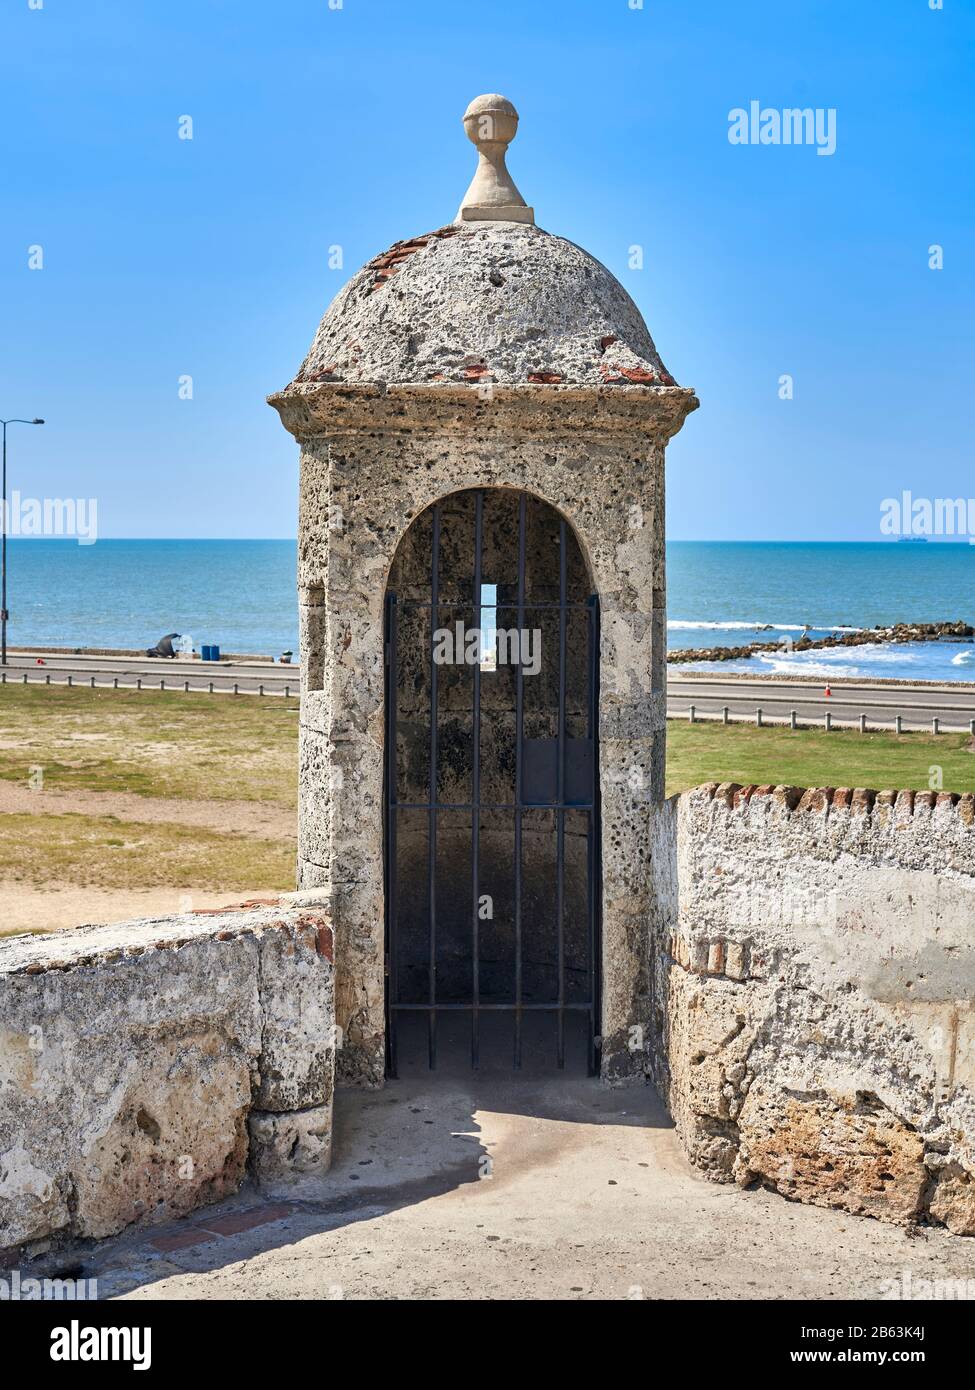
{"type": "Point", "coordinates": [835, 800]}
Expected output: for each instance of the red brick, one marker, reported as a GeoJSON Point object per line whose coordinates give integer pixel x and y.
{"type": "Point", "coordinates": [235, 1222]}
{"type": "Point", "coordinates": [180, 1240]}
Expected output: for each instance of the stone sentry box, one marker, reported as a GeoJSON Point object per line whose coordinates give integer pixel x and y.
{"type": "Point", "coordinates": [487, 354]}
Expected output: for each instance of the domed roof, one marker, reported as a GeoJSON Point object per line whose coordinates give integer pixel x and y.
{"type": "Point", "coordinates": [484, 301]}
{"type": "Point", "coordinates": [490, 298]}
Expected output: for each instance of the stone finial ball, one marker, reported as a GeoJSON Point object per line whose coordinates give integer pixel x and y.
{"type": "Point", "coordinates": [490, 119]}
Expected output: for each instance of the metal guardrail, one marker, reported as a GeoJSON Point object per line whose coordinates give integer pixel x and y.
{"type": "Point", "coordinates": [92, 683]}
{"type": "Point", "coordinates": [795, 721]}
{"type": "Point", "coordinates": [694, 715]}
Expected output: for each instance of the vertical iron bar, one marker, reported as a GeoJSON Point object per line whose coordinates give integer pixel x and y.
{"type": "Point", "coordinates": [432, 833]}
{"type": "Point", "coordinates": [391, 827]}
{"type": "Point", "coordinates": [560, 804]}
{"type": "Point", "coordinates": [591, 831]}
{"type": "Point", "coordinates": [476, 778]}
{"type": "Point", "coordinates": [519, 795]}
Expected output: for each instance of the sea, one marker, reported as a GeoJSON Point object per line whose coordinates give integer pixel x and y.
{"type": "Point", "coordinates": [723, 593]}
{"type": "Point", "coordinates": [240, 595]}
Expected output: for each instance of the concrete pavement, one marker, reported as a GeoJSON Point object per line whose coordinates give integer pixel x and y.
{"type": "Point", "coordinates": [474, 1187]}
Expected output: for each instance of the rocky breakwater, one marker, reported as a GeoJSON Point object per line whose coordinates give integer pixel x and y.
{"type": "Point", "coordinates": [897, 632]}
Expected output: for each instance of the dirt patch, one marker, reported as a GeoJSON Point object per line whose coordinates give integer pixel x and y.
{"type": "Point", "coordinates": [251, 818]}
{"type": "Point", "coordinates": [101, 851]}
{"type": "Point", "coordinates": [27, 908]}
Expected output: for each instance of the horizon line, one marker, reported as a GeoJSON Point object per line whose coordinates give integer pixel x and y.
{"type": "Point", "coordinates": [679, 540]}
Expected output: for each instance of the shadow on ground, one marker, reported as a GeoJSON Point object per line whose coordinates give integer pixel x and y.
{"type": "Point", "coordinates": [423, 1136]}
{"type": "Point", "coordinates": [494, 1185]}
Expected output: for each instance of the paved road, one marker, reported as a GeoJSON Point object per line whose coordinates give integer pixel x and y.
{"type": "Point", "coordinates": [247, 676]}
{"type": "Point", "coordinates": [916, 705]}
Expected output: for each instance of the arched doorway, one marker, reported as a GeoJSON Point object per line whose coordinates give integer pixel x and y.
{"type": "Point", "coordinates": [491, 805]}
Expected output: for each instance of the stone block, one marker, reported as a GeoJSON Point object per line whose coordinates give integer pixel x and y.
{"type": "Point", "coordinates": [832, 1151]}
{"type": "Point", "coordinates": [290, 1150]}
{"type": "Point", "coordinates": [131, 1055]}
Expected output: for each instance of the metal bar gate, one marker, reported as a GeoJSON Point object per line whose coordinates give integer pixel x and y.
{"type": "Point", "coordinates": [576, 761]}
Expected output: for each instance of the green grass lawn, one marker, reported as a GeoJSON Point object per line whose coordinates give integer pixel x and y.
{"type": "Point", "coordinates": [216, 748]}
{"type": "Point", "coordinates": [170, 744]}
{"type": "Point", "coordinates": [178, 746]}
{"type": "Point", "coordinates": [104, 852]}
{"type": "Point", "coordinates": [812, 758]}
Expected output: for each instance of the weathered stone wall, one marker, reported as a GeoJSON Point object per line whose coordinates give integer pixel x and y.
{"type": "Point", "coordinates": [814, 964]}
{"type": "Point", "coordinates": [144, 1066]}
{"type": "Point", "coordinates": [372, 461]}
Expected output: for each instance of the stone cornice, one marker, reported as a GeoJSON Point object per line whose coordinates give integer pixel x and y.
{"type": "Point", "coordinates": [312, 411]}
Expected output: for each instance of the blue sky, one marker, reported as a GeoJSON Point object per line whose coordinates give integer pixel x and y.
{"type": "Point", "coordinates": [316, 126]}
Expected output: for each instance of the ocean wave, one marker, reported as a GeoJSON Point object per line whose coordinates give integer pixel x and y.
{"type": "Point", "coordinates": [838, 661]}
{"type": "Point", "coordinates": [675, 625]}
{"type": "Point", "coordinates": [927, 661]}
{"type": "Point", "coordinates": [783, 666]}
{"type": "Point", "coordinates": [879, 653]}
{"type": "Point", "coordinates": [679, 625]}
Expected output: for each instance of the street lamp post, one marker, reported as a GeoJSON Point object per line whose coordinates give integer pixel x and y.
{"type": "Point", "coordinates": [3, 541]}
